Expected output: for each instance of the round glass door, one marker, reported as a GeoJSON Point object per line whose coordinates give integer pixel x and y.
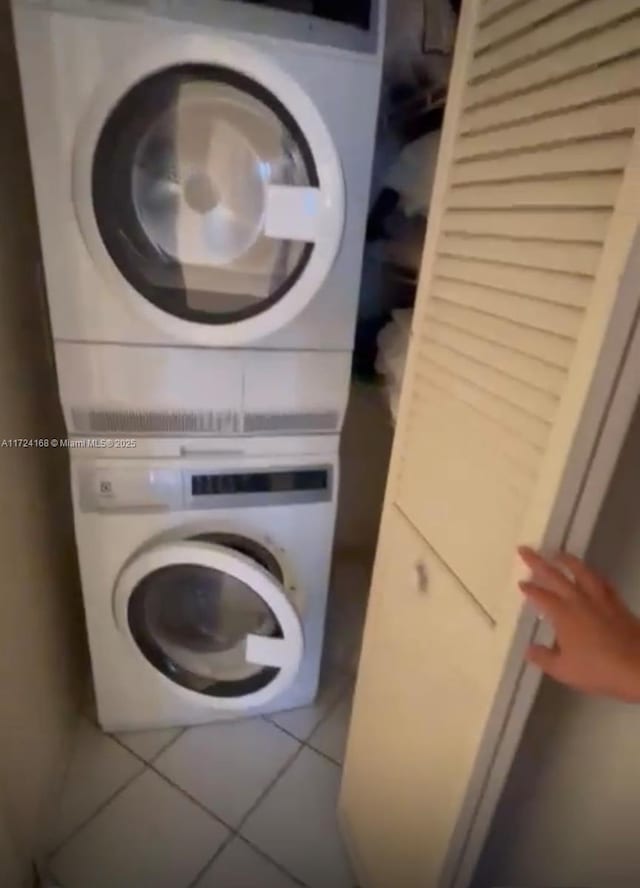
{"type": "Point", "coordinates": [198, 174]}
{"type": "Point", "coordinates": [213, 617]}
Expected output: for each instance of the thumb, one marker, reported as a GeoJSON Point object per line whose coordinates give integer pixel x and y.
{"type": "Point", "coordinates": [547, 659]}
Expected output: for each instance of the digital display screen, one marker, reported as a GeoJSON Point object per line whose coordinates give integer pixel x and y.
{"type": "Point", "coordinates": [260, 482]}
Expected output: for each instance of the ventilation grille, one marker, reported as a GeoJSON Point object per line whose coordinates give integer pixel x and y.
{"type": "Point", "coordinates": [274, 423]}
{"type": "Point", "coordinates": [148, 422]}
{"type": "Point", "coordinates": [201, 422]}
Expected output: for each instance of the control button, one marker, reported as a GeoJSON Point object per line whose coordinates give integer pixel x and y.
{"type": "Point", "coordinates": [105, 487]}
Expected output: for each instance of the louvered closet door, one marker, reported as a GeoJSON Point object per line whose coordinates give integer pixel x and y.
{"type": "Point", "coordinates": [520, 326]}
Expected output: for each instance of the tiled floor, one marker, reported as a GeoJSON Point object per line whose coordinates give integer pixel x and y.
{"type": "Point", "coordinates": [248, 804]}
{"type": "Point", "coordinates": [244, 804]}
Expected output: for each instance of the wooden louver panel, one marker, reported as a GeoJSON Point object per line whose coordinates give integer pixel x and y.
{"type": "Point", "coordinates": [544, 37]}
{"type": "Point", "coordinates": [596, 48]}
{"type": "Point", "coordinates": [524, 16]}
{"type": "Point", "coordinates": [550, 227]}
{"type": "Point", "coordinates": [602, 90]}
{"type": "Point", "coordinates": [524, 307]}
{"type": "Point", "coordinates": [544, 136]}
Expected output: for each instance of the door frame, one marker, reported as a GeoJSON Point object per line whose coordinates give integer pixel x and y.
{"type": "Point", "coordinates": [609, 409]}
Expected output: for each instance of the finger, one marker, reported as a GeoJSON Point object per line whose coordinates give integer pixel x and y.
{"type": "Point", "coordinates": [546, 603]}
{"type": "Point", "coordinates": [546, 574]}
{"type": "Point", "coordinates": [547, 659]}
{"type": "Point", "coordinates": [588, 580]}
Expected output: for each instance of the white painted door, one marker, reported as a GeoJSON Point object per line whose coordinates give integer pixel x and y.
{"type": "Point", "coordinates": [522, 320]}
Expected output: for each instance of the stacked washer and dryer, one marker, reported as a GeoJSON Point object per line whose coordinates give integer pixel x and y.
{"type": "Point", "coordinates": [202, 173]}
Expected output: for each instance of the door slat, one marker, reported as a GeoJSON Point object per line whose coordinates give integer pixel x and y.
{"type": "Point", "coordinates": [527, 369]}
{"type": "Point", "coordinates": [542, 39]}
{"type": "Point", "coordinates": [585, 55]}
{"type": "Point", "coordinates": [520, 19]}
{"type": "Point", "coordinates": [509, 481]}
{"type": "Point", "coordinates": [511, 443]}
{"type": "Point", "coordinates": [533, 401]}
{"type": "Point", "coordinates": [584, 156]}
{"type": "Point", "coordinates": [584, 226]}
{"type": "Point", "coordinates": [567, 127]}
{"type": "Point", "coordinates": [545, 255]}
{"type": "Point", "coordinates": [605, 85]}
{"type": "Point", "coordinates": [558, 293]}
{"type": "Point", "coordinates": [556, 350]}
{"type": "Point", "coordinates": [597, 191]}
{"type": "Point", "coordinates": [491, 9]}
{"type": "Point", "coordinates": [515, 420]}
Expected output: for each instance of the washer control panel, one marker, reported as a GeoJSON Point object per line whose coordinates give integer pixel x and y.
{"type": "Point", "coordinates": [140, 488]}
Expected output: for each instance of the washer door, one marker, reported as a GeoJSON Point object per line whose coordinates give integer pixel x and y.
{"type": "Point", "coordinates": [212, 620]}
{"type": "Point", "coordinates": [214, 192]}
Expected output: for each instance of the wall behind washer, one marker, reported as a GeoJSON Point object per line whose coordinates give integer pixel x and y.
{"type": "Point", "coordinates": [570, 815]}
{"type": "Point", "coordinates": [39, 617]}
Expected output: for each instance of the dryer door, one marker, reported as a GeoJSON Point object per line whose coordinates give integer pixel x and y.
{"type": "Point", "coordinates": [212, 619]}
{"type": "Point", "coordinates": [211, 192]}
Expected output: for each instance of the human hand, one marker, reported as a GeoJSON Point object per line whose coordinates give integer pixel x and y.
{"type": "Point", "coordinates": [597, 645]}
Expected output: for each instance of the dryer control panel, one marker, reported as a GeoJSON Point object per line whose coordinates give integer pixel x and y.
{"type": "Point", "coordinates": [140, 488]}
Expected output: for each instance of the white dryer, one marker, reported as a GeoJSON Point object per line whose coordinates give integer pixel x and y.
{"type": "Point", "coordinates": [202, 174]}
{"type": "Point", "coordinates": [204, 577]}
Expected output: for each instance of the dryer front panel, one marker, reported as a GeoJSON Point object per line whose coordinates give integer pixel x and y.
{"type": "Point", "coordinates": [212, 615]}
{"type": "Point", "coordinates": [211, 190]}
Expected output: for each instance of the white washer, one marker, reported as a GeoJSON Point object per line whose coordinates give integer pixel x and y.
{"type": "Point", "coordinates": [202, 175]}
{"type": "Point", "coordinates": [204, 577]}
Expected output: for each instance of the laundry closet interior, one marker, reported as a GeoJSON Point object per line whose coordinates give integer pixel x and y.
{"type": "Point", "coordinates": [341, 308]}
{"type": "Point", "coordinates": [212, 180]}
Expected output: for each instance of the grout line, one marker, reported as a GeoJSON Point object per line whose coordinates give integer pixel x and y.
{"type": "Point", "coordinates": [225, 844]}
{"type": "Point", "coordinates": [233, 832]}
{"type": "Point", "coordinates": [270, 786]}
{"type": "Point", "coordinates": [151, 767]}
{"type": "Point", "coordinates": [309, 744]}
{"type": "Point", "coordinates": [324, 755]}
{"type": "Point", "coordinates": [97, 811]}
{"type": "Point", "coordinates": [344, 682]}
{"type": "Point", "coordinates": [167, 745]}
{"type": "Point", "coordinates": [283, 730]}
{"type": "Point", "coordinates": [288, 764]}
{"type": "Point", "coordinates": [271, 860]}
{"type": "Point", "coordinates": [156, 755]}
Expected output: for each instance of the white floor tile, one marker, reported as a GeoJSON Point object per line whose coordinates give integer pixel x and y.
{"type": "Point", "coordinates": [148, 744]}
{"type": "Point", "coordinates": [296, 823]}
{"type": "Point", "coordinates": [239, 866]}
{"type": "Point", "coordinates": [303, 722]}
{"type": "Point", "coordinates": [149, 836]}
{"type": "Point", "coordinates": [330, 737]}
{"type": "Point", "coordinates": [99, 767]}
{"type": "Point", "coordinates": [228, 766]}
